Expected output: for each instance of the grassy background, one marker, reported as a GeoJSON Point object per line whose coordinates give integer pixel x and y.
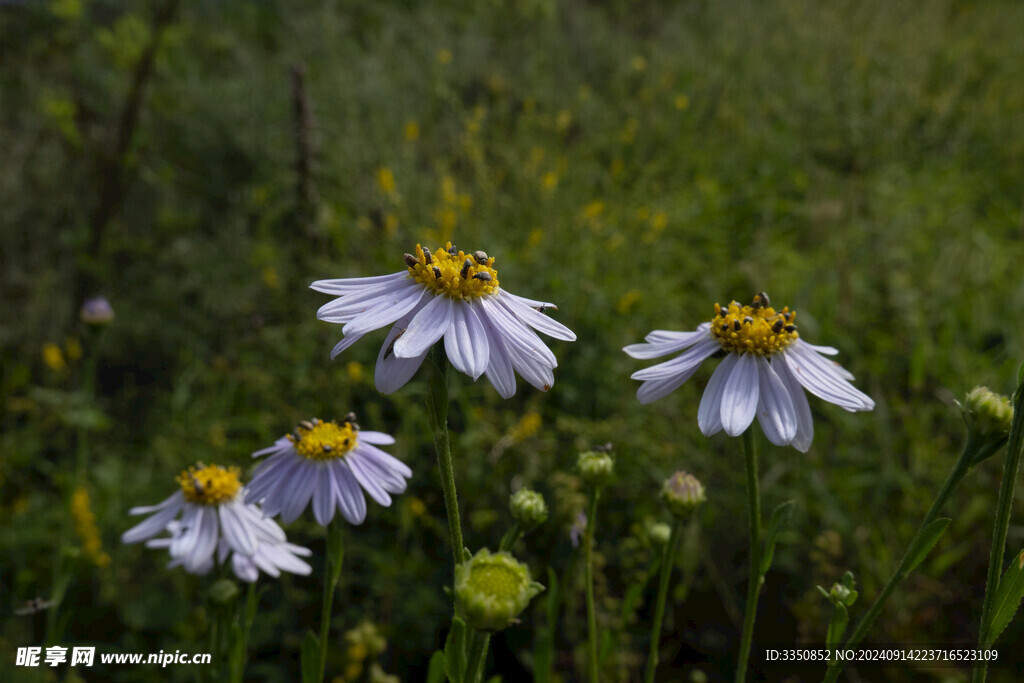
{"type": "Point", "coordinates": [633, 162]}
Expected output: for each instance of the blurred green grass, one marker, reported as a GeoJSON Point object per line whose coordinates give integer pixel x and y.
{"type": "Point", "coordinates": [632, 162]}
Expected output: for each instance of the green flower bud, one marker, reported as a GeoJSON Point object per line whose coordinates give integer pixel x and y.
{"type": "Point", "coordinates": [682, 494]}
{"type": "Point", "coordinates": [987, 413]}
{"type": "Point", "coordinates": [528, 508]}
{"type": "Point", "coordinates": [491, 590]}
{"type": "Point", "coordinates": [596, 467]}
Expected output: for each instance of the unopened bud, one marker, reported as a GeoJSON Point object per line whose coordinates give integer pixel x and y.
{"type": "Point", "coordinates": [682, 493]}
{"type": "Point", "coordinates": [987, 413]}
{"type": "Point", "coordinates": [596, 467]}
{"type": "Point", "coordinates": [528, 508]}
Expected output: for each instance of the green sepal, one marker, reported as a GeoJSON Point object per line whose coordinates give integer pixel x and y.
{"type": "Point", "coordinates": [310, 654]}
{"type": "Point", "coordinates": [780, 517]}
{"type": "Point", "coordinates": [1008, 597]}
{"type": "Point", "coordinates": [925, 542]}
{"type": "Point", "coordinates": [455, 651]}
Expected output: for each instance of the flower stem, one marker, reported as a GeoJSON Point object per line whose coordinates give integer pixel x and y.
{"type": "Point", "coordinates": [332, 572]}
{"type": "Point", "coordinates": [437, 407]}
{"type": "Point", "coordinates": [1002, 525]}
{"type": "Point", "coordinates": [477, 657]}
{"type": "Point", "coordinates": [963, 464]}
{"type": "Point", "coordinates": [754, 583]}
{"type": "Point", "coordinates": [588, 548]}
{"type": "Point", "coordinates": [667, 564]}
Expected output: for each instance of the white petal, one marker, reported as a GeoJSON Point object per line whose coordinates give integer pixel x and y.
{"type": "Point", "coordinates": [323, 498]}
{"type": "Point", "coordinates": [348, 306]}
{"type": "Point", "coordinates": [537, 305]}
{"type": "Point", "coordinates": [819, 377]}
{"type": "Point", "coordinates": [237, 533]}
{"type": "Point", "coordinates": [300, 491]}
{"type": "Point", "coordinates": [355, 284]}
{"type": "Point", "coordinates": [664, 346]}
{"type": "Point", "coordinates": [653, 389]}
{"type": "Point", "coordinates": [709, 415]}
{"type": "Point", "coordinates": [388, 311]}
{"type": "Point", "coordinates": [739, 397]}
{"type": "Point", "coordinates": [427, 326]}
{"type": "Point", "coordinates": [805, 424]}
{"type": "Point", "coordinates": [151, 526]}
{"type": "Point", "coordinates": [465, 342]}
{"type": "Point", "coordinates": [688, 360]}
{"type": "Point", "coordinates": [387, 461]}
{"type": "Point", "coordinates": [534, 318]}
{"type": "Point", "coordinates": [369, 482]}
{"type": "Point", "coordinates": [344, 344]}
{"type": "Point", "coordinates": [350, 497]}
{"type": "Point", "coordinates": [379, 438]}
{"type": "Point", "coordinates": [775, 409]}
{"type": "Point", "coordinates": [666, 336]}
{"type": "Point", "coordinates": [244, 568]}
{"type": "Point", "coordinates": [516, 333]}
{"type": "Point", "coordinates": [391, 372]}
{"type": "Point", "coordinates": [176, 500]}
{"type": "Point", "coordinates": [499, 366]}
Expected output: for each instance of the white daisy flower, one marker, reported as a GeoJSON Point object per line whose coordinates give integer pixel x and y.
{"type": "Point", "coordinates": [449, 294]}
{"type": "Point", "coordinates": [330, 464]}
{"type": "Point", "coordinates": [213, 514]}
{"type": "Point", "coordinates": [765, 370]}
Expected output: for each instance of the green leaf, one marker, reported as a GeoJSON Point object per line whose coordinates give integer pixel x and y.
{"type": "Point", "coordinates": [1008, 597]}
{"type": "Point", "coordinates": [455, 651]}
{"type": "Point", "coordinates": [310, 658]}
{"type": "Point", "coordinates": [924, 543]}
{"type": "Point", "coordinates": [837, 625]}
{"type": "Point", "coordinates": [780, 517]}
{"type": "Point", "coordinates": [435, 672]}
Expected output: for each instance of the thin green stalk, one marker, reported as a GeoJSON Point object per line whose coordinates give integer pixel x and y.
{"type": "Point", "coordinates": [511, 536]}
{"type": "Point", "coordinates": [754, 583]}
{"type": "Point", "coordinates": [477, 657]}
{"type": "Point", "coordinates": [1002, 525]}
{"type": "Point", "coordinates": [588, 547]}
{"type": "Point", "coordinates": [332, 573]}
{"type": "Point", "coordinates": [437, 407]}
{"type": "Point", "coordinates": [667, 564]}
{"type": "Point", "coordinates": [963, 464]}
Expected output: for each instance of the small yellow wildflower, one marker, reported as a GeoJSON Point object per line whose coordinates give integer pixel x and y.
{"type": "Point", "coordinates": [53, 357]}
{"type": "Point", "coordinates": [412, 130]}
{"type": "Point", "coordinates": [85, 527]}
{"type": "Point", "coordinates": [444, 56]}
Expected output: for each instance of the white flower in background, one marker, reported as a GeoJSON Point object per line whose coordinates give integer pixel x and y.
{"type": "Point", "coordinates": [214, 515]}
{"type": "Point", "coordinates": [764, 372]}
{"type": "Point", "coordinates": [451, 295]}
{"type": "Point", "coordinates": [330, 464]}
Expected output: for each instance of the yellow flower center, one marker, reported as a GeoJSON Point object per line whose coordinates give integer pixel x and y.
{"type": "Point", "coordinates": [319, 440]}
{"type": "Point", "coordinates": [454, 273]}
{"type": "Point", "coordinates": [754, 328]}
{"type": "Point", "coordinates": [210, 484]}
{"type": "Point", "coordinates": [496, 579]}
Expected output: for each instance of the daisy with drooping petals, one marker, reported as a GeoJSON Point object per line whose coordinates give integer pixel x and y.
{"type": "Point", "coordinates": [213, 512]}
{"type": "Point", "coordinates": [273, 555]}
{"type": "Point", "coordinates": [451, 295]}
{"type": "Point", "coordinates": [765, 370]}
{"type": "Point", "coordinates": [330, 464]}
